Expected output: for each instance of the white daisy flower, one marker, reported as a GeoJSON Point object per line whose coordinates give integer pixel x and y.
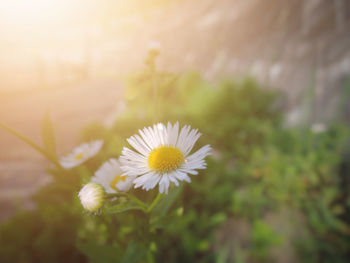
{"type": "Point", "coordinates": [163, 156]}
{"type": "Point", "coordinates": [92, 197]}
{"type": "Point", "coordinates": [318, 127]}
{"type": "Point", "coordinates": [154, 46]}
{"type": "Point", "coordinates": [80, 154]}
{"type": "Point", "coordinates": [109, 175]}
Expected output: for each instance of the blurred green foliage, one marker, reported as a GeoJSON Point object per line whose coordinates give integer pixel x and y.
{"type": "Point", "coordinates": [269, 194]}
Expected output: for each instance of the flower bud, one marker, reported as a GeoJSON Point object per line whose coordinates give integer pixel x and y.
{"type": "Point", "coordinates": [92, 197]}
{"type": "Point", "coordinates": [154, 47]}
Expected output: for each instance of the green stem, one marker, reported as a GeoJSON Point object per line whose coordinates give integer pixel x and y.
{"type": "Point", "coordinates": [155, 90]}
{"type": "Point", "coordinates": [154, 203]}
{"type": "Point", "coordinates": [133, 198]}
{"type": "Point", "coordinates": [30, 143]}
{"type": "Point", "coordinates": [138, 201]}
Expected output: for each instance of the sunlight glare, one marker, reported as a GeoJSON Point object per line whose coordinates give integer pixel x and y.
{"type": "Point", "coordinates": [31, 11]}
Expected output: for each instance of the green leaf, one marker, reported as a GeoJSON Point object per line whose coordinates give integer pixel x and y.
{"type": "Point", "coordinates": [48, 136]}
{"type": "Point", "coordinates": [99, 253]}
{"type": "Point", "coordinates": [162, 208]}
{"type": "Point", "coordinates": [136, 252]}
{"type": "Point", "coordinates": [123, 207]}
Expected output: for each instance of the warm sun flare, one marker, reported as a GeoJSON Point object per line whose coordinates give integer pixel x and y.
{"type": "Point", "coordinates": [31, 11]}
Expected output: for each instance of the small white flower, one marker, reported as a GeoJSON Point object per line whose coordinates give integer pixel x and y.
{"type": "Point", "coordinates": [109, 175]}
{"type": "Point", "coordinates": [318, 127]}
{"type": "Point", "coordinates": [92, 197]}
{"type": "Point", "coordinates": [163, 156]}
{"type": "Point", "coordinates": [154, 46]}
{"type": "Point", "coordinates": [80, 154]}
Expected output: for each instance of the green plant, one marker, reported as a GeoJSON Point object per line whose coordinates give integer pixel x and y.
{"type": "Point", "coordinates": [259, 170]}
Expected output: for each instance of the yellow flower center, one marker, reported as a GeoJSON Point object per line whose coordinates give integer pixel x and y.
{"type": "Point", "coordinates": [165, 159]}
{"type": "Point", "coordinates": [116, 180]}
{"type": "Point", "coordinates": [78, 156]}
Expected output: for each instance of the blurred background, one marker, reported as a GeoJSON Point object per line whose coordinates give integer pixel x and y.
{"type": "Point", "coordinates": [72, 58]}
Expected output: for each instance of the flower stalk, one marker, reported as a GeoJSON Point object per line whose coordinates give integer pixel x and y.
{"type": "Point", "coordinates": [29, 142]}
{"type": "Point", "coordinates": [154, 203]}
